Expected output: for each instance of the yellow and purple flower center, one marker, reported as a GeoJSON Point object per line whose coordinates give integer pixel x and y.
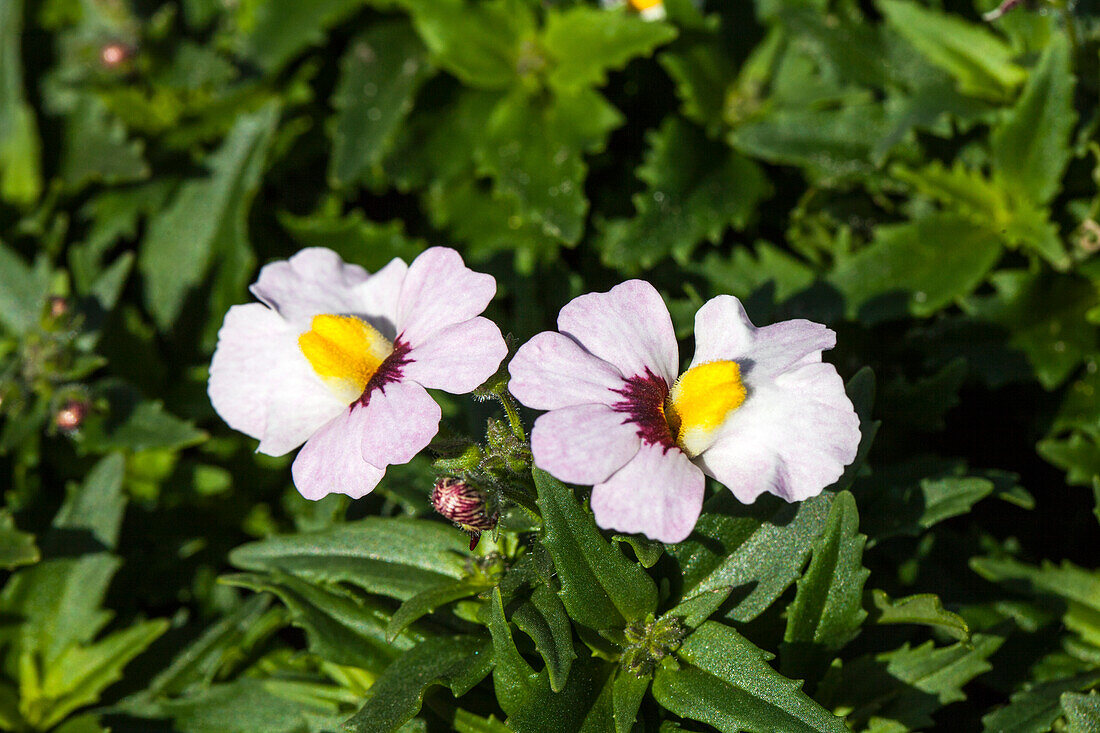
{"type": "Point", "coordinates": [688, 415]}
{"type": "Point", "coordinates": [351, 357]}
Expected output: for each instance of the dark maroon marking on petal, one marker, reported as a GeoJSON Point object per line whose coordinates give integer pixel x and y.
{"type": "Point", "coordinates": [390, 370]}
{"type": "Point", "coordinates": [644, 405]}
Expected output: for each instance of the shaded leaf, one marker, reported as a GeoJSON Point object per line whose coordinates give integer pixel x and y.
{"type": "Point", "coordinates": [923, 608]}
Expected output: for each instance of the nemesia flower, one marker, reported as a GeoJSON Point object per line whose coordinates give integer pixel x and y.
{"type": "Point", "coordinates": [339, 359]}
{"type": "Point", "coordinates": [756, 409]}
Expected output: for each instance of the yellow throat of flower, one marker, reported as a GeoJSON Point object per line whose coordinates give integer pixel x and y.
{"type": "Point", "coordinates": [700, 401]}
{"type": "Point", "coordinates": [345, 352]}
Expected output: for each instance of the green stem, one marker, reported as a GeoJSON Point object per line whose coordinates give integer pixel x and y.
{"type": "Point", "coordinates": [511, 410]}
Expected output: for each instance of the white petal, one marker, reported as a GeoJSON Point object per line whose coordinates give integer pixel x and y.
{"type": "Point", "coordinates": [583, 444]}
{"type": "Point", "coordinates": [261, 384]}
{"type": "Point", "coordinates": [628, 326]}
{"type": "Point", "coordinates": [458, 358]}
{"type": "Point", "coordinates": [376, 298]}
{"type": "Point", "coordinates": [659, 493]}
{"type": "Point", "coordinates": [440, 291]}
{"type": "Point", "coordinates": [331, 462]}
{"type": "Point", "coordinates": [792, 437]}
{"type": "Point", "coordinates": [723, 332]}
{"type": "Point", "coordinates": [315, 280]}
{"type": "Point", "coordinates": [552, 371]}
{"type": "Point", "coordinates": [401, 419]}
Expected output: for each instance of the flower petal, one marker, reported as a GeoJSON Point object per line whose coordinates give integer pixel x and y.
{"type": "Point", "coordinates": [552, 371]}
{"type": "Point", "coordinates": [583, 444]}
{"type": "Point", "coordinates": [723, 331]}
{"type": "Point", "coordinates": [440, 291]}
{"type": "Point", "coordinates": [401, 419]}
{"type": "Point", "coordinates": [377, 297]}
{"type": "Point", "coordinates": [331, 462]}
{"type": "Point", "coordinates": [313, 281]}
{"type": "Point", "coordinates": [658, 493]}
{"type": "Point", "coordinates": [261, 384]}
{"type": "Point", "coordinates": [458, 358]}
{"type": "Point", "coordinates": [792, 437]}
{"type": "Point", "coordinates": [628, 326]}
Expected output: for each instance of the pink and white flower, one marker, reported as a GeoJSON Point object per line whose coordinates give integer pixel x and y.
{"type": "Point", "coordinates": [339, 359]}
{"type": "Point", "coordinates": [756, 409]}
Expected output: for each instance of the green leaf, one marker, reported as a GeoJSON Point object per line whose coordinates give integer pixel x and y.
{"type": "Point", "coordinates": [397, 557]}
{"type": "Point", "coordinates": [703, 73]}
{"type": "Point", "coordinates": [1044, 313]}
{"type": "Point", "coordinates": [727, 683]}
{"type": "Point", "coordinates": [380, 74]}
{"type": "Point", "coordinates": [355, 238]}
{"type": "Point", "coordinates": [543, 618]}
{"type": "Point", "coordinates": [599, 586]}
{"type": "Point", "coordinates": [827, 610]}
{"type": "Point", "coordinates": [134, 425]}
{"type": "Point", "coordinates": [16, 548]}
{"type": "Point", "coordinates": [275, 31]}
{"type": "Point", "coordinates": [429, 600]}
{"type": "Point", "coordinates": [340, 626]}
{"type": "Point", "coordinates": [20, 146]}
{"type": "Point", "coordinates": [513, 678]}
{"type": "Point", "coordinates": [917, 267]}
{"type": "Point", "coordinates": [1031, 147]}
{"type": "Point", "coordinates": [23, 291]}
{"type": "Point", "coordinates": [458, 662]}
{"type": "Point", "coordinates": [627, 693]}
{"type": "Point", "coordinates": [754, 551]}
{"type": "Point", "coordinates": [1036, 707]}
{"type": "Point", "coordinates": [206, 222]}
{"type": "Point", "coordinates": [533, 147]}
{"type": "Point", "coordinates": [980, 62]}
{"type": "Point", "coordinates": [1078, 455]}
{"type": "Point", "coordinates": [487, 44]}
{"type": "Point", "coordinates": [584, 705]}
{"type": "Point", "coordinates": [1082, 712]}
{"type": "Point", "coordinates": [695, 189]}
{"type": "Point", "coordinates": [586, 42]}
{"type": "Point", "coordinates": [923, 608]}
{"type": "Point", "coordinates": [95, 149]}
{"type": "Point", "coordinates": [746, 270]}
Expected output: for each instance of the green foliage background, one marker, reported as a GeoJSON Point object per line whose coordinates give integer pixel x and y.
{"type": "Point", "coordinates": [923, 181]}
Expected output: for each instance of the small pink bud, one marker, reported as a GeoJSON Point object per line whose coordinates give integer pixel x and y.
{"type": "Point", "coordinates": [71, 416]}
{"type": "Point", "coordinates": [113, 54]}
{"type": "Point", "coordinates": [58, 306]}
{"type": "Point", "coordinates": [464, 505]}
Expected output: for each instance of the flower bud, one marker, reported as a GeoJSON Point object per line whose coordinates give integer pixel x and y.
{"type": "Point", "coordinates": [114, 54]}
{"type": "Point", "coordinates": [58, 306]}
{"type": "Point", "coordinates": [71, 416]}
{"type": "Point", "coordinates": [463, 504]}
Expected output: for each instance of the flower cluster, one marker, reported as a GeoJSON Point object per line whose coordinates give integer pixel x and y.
{"type": "Point", "coordinates": [341, 360]}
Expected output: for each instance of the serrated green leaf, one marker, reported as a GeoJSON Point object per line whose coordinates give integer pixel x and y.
{"type": "Point", "coordinates": [827, 610]}
{"type": "Point", "coordinates": [703, 73]}
{"type": "Point", "coordinates": [728, 684]}
{"type": "Point", "coordinates": [599, 586]}
{"type": "Point", "coordinates": [923, 608]}
{"type": "Point", "coordinates": [1082, 712]}
{"type": "Point", "coordinates": [695, 189]}
{"type": "Point", "coordinates": [747, 269]}
{"type": "Point", "coordinates": [130, 423]}
{"type": "Point", "coordinates": [95, 149]}
{"type": "Point", "coordinates": [355, 238]}
{"type": "Point", "coordinates": [1031, 147]}
{"type": "Point", "coordinates": [513, 678]}
{"type": "Point", "coordinates": [584, 705]}
{"type": "Point", "coordinates": [917, 267]}
{"type": "Point", "coordinates": [23, 291]}
{"type": "Point", "coordinates": [398, 557]}
{"type": "Point", "coordinates": [380, 74]}
{"type": "Point", "coordinates": [20, 146]}
{"type": "Point", "coordinates": [534, 146]}
{"type": "Point", "coordinates": [980, 62]}
{"type": "Point", "coordinates": [543, 618]}
{"type": "Point", "coordinates": [1035, 708]}
{"type": "Point", "coordinates": [457, 662]}
{"type": "Point", "coordinates": [486, 45]}
{"type": "Point", "coordinates": [1044, 315]}
{"type": "Point", "coordinates": [275, 31]}
{"type": "Point", "coordinates": [756, 552]}
{"type": "Point", "coordinates": [206, 221]}
{"type": "Point", "coordinates": [586, 42]}
{"type": "Point", "coordinates": [1078, 455]}
{"type": "Point", "coordinates": [16, 548]}
{"type": "Point", "coordinates": [340, 626]}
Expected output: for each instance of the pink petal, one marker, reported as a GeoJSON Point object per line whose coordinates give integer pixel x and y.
{"type": "Point", "coordinates": [440, 291]}
{"type": "Point", "coordinates": [313, 281]}
{"type": "Point", "coordinates": [583, 444]}
{"type": "Point", "coordinates": [458, 358]}
{"type": "Point", "coordinates": [401, 419]}
{"type": "Point", "coordinates": [261, 385]}
{"type": "Point", "coordinates": [628, 326]}
{"type": "Point", "coordinates": [658, 494]}
{"type": "Point", "coordinates": [331, 462]}
{"type": "Point", "coordinates": [723, 332]}
{"type": "Point", "coordinates": [552, 371]}
{"type": "Point", "coordinates": [377, 297]}
{"type": "Point", "coordinates": [792, 437]}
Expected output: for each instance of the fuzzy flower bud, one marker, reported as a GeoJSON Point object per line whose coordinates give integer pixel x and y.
{"type": "Point", "coordinates": [465, 505]}
{"type": "Point", "coordinates": [71, 416]}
